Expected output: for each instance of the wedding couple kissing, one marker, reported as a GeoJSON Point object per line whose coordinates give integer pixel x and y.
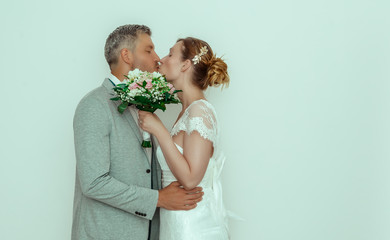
{"type": "Point", "coordinates": [171, 190]}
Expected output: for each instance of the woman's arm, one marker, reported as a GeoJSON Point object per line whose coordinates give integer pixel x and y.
{"type": "Point", "coordinates": [189, 167]}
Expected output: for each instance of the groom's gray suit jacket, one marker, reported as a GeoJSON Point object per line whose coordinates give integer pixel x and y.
{"type": "Point", "coordinates": [114, 196]}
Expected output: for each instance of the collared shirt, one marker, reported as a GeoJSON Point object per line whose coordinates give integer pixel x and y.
{"type": "Point", "coordinates": [134, 114]}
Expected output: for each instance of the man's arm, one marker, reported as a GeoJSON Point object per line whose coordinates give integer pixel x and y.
{"type": "Point", "coordinates": [91, 133]}
{"type": "Point", "coordinates": [175, 197]}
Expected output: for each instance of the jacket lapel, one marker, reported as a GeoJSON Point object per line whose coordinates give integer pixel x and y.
{"type": "Point", "coordinates": [132, 123]}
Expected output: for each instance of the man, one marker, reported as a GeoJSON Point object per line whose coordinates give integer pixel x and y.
{"type": "Point", "coordinates": [117, 181]}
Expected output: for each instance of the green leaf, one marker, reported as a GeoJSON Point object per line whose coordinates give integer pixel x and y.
{"type": "Point", "coordinates": [120, 88]}
{"type": "Point", "coordinates": [163, 107]}
{"type": "Point", "coordinates": [115, 98]}
{"type": "Point", "coordinates": [121, 85]}
{"type": "Point", "coordinates": [167, 96]}
{"type": "Point", "coordinates": [146, 144]}
{"type": "Point", "coordinates": [122, 107]}
{"type": "Point", "coordinates": [133, 102]}
{"type": "Point", "coordinates": [142, 99]}
{"type": "Point", "coordinates": [176, 91]}
{"type": "Point", "coordinates": [146, 108]}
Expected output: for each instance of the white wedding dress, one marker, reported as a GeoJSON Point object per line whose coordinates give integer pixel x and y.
{"type": "Point", "coordinates": [208, 221]}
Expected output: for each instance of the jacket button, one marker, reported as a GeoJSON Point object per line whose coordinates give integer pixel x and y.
{"type": "Point", "coordinates": [147, 170]}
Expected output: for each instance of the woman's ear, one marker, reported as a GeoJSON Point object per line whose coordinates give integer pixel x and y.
{"type": "Point", "coordinates": [126, 56]}
{"type": "Point", "coordinates": [186, 65]}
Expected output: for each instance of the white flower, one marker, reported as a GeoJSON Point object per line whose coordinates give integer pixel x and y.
{"type": "Point", "coordinates": [156, 75]}
{"type": "Point", "coordinates": [134, 92]}
{"type": "Point", "coordinates": [134, 74]}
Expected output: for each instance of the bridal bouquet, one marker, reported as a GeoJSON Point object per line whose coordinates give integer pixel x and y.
{"type": "Point", "coordinates": [148, 92]}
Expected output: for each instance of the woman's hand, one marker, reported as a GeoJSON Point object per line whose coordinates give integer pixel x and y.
{"type": "Point", "coordinates": [149, 122]}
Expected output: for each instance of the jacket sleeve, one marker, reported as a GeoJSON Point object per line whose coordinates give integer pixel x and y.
{"type": "Point", "coordinates": [92, 126]}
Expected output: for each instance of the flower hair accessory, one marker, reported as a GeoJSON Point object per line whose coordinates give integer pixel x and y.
{"type": "Point", "coordinates": [197, 57]}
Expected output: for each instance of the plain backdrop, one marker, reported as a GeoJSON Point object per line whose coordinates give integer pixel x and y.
{"type": "Point", "coordinates": [305, 121]}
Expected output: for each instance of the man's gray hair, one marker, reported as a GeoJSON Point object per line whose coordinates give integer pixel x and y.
{"type": "Point", "coordinates": [123, 37]}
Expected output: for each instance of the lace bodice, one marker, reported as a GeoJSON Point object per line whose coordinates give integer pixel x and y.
{"type": "Point", "coordinates": [200, 116]}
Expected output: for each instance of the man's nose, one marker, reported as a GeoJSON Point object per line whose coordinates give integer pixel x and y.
{"type": "Point", "coordinates": [157, 58]}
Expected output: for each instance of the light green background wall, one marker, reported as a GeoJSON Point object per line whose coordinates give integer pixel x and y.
{"type": "Point", "coordinates": [305, 120]}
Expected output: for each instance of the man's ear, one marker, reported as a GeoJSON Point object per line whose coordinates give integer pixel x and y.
{"type": "Point", "coordinates": [126, 55]}
{"type": "Point", "coordinates": [185, 65]}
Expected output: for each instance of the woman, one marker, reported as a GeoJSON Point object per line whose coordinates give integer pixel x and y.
{"type": "Point", "coordinates": [189, 153]}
